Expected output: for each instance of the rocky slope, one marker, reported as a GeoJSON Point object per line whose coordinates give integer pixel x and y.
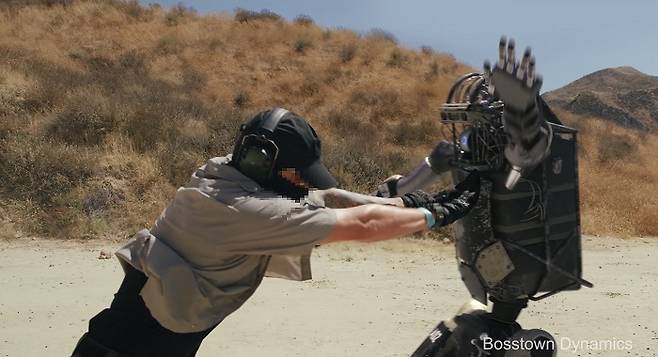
{"type": "Point", "coordinates": [622, 95]}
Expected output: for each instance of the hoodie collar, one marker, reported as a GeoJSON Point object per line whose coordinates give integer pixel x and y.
{"type": "Point", "coordinates": [219, 168]}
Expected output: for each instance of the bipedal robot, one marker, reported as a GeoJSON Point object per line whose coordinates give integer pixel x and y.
{"type": "Point", "coordinates": [521, 242]}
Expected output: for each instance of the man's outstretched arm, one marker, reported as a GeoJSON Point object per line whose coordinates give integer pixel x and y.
{"type": "Point", "coordinates": [373, 222]}
{"type": "Point", "coordinates": [337, 198]}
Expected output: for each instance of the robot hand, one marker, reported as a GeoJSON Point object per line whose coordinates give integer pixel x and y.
{"type": "Point", "coordinates": [447, 206]}
{"type": "Point", "coordinates": [517, 85]}
{"type": "Point", "coordinates": [440, 157]}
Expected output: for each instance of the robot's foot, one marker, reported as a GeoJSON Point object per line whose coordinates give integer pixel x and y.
{"type": "Point", "coordinates": [475, 333]}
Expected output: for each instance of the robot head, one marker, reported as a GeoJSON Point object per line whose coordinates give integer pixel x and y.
{"type": "Point", "coordinates": [475, 120]}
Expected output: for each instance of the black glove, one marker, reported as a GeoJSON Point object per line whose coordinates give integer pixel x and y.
{"type": "Point", "coordinates": [418, 198]}
{"type": "Point", "coordinates": [449, 206]}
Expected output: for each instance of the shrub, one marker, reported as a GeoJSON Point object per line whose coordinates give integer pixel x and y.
{"type": "Point", "coordinates": [433, 70]}
{"type": "Point", "coordinates": [427, 50]}
{"type": "Point", "coordinates": [177, 163]}
{"type": "Point", "coordinates": [40, 170]}
{"type": "Point", "coordinates": [384, 102]}
{"type": "Point", "coordinates": [178, 13]}
{"type": "Point", "coordinates": [616, 147]}
{"type": "Point", "coordinates": [347, 123]}
{"type": "Point", "coordinates": [302, 44]}
{"type": "Point", "coordinates": [86, 120]}
{"type": "Point", "coordinates": [311, 85]}
{"type": "Point", "coordinates": [413, 132]}
{"type": "Point", "coordinates": [241, 99]}
{"type": "Point", "coordinates": [146, 128]}
{"type": "Point", "coordinates": [223, 128]}
{"type": "Point", "coordinates": [646, 221]}
{"type": "Point", "coordinates": [333, 74]}
{"type": "Point", "coordinates": [132, 8]}
{"type": "Point", "coordinates": [267, 14]}
{"type": "Point", "coordinates": [169, 44]}
{"type": "Point", "coordinates": [100, 197]}
{"type": "Point", "coordinates": [13, 4]}
{"type": "Point", "coordinates": [193, 80]}
{"type": "Point", "coordinates": [242, 15]}
{"type": "Point", "coordinates": [52, 83]}
{"type": "Point", "coordinates": [134, 61]}
{"type": "Point", "coordinates": [303, 20]}
{"type": "Point", "coordinates": [381, 35]}
{"type": "Point", "coordinates": [397, 58]}
{"type": "Point", "coordinates": [353, 164]}
{"type": "Point", "coordinates": [347, 52]}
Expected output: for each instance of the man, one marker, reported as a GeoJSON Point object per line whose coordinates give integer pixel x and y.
{"type": "Point", "coordinates": [257, 212]}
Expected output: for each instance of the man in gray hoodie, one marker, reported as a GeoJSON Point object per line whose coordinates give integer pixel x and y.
{"type": "Point", "coordinates": [258, 212]}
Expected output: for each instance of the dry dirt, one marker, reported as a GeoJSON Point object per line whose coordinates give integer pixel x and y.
{"type": "Point", "coordinates": [366, 300]}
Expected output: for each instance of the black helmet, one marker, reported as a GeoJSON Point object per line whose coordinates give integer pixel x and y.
{"type": "Point", "coordinates": [276, 139]}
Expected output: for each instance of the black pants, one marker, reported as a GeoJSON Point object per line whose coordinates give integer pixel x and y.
{"type": "Point", "coordinates": [128, 329]}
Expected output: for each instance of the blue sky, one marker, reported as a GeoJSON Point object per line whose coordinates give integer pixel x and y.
{"type": "Point", "coordinates": [570, 38]}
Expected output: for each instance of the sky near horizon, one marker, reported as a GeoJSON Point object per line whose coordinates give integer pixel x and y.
{"type": "Point", "coordinates": [570, 38]}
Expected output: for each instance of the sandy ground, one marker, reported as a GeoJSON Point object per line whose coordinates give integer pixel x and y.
{"type": "Point", "coordinates": [365, 300]}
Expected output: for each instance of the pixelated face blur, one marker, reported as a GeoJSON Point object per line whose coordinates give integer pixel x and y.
{"type": "Point", "coordinates": [290, 174]}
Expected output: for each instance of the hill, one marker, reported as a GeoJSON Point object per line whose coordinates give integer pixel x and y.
{"type": "Point", "coordinates": [622, 95]}
{"type": "Point", "coordinates": [616, 112]}
{"type": "Point", "coordinates": [107, 106]}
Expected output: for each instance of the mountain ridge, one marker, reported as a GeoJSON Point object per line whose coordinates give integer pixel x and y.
{"type": "Point", "coordinates": [623, 95]}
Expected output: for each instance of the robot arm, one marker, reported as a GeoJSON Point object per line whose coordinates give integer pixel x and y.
{"type": "Point", "coordinates": [509, 247]}
{"type": "Point", "coordinates": [529, 136]}
{"type": "Point", "coordinates": [425, 174]}
{"type": "Point", "coordinates": [517, 85]}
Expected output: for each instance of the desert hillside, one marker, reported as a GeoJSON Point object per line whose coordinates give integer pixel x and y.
{"type": "Point", "coordinates": [106, 107]}
{"type": "Point", "coordinates": [622, 95]}
{"type": "Point", "coordinates": [616, 112]}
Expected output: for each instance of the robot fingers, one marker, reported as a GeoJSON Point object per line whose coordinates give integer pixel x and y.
{"type": "Point", "coordinates": [502, 53]}
{"type": "Point", "coordinates": [523, 67]}
{"type": "Point", "coordinates": [511, 65]}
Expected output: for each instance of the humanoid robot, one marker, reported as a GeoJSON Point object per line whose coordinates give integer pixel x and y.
{"type": "Point", "coordinates": [521, 242]}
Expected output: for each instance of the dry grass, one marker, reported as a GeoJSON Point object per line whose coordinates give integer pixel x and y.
{"type": "Point", "coordinates": [618, 178]}
{"type": "Point", "coordinates": [107, 106]}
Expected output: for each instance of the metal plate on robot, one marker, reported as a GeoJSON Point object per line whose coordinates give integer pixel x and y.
{"type": "Point", "coordinates": [494, 264]}
{"type": "Point", "coordinates": [473, 284]}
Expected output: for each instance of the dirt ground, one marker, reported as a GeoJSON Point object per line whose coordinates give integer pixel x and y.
{"type": "Point", "coordinates": [365, 300]}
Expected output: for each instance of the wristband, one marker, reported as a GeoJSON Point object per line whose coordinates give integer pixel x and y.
{"type": "Point", "coordinates": [429, 217]}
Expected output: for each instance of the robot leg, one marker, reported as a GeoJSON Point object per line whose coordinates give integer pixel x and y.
{"type": "Point", "coordinates": [474, 332]}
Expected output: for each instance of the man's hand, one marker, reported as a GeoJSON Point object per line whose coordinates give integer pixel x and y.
{"type": "Point", "coordinates": [447, 206]}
